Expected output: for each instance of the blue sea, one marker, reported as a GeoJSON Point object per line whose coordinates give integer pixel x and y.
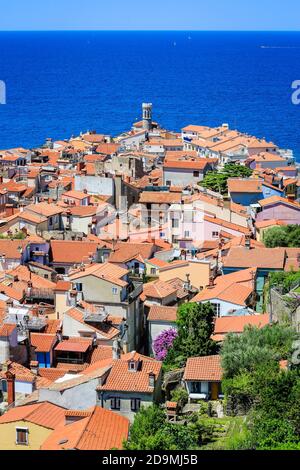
{"type": "Point", "coordinates": [61, 83]}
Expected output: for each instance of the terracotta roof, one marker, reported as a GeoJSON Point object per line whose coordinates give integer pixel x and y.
{"type": "Point", "coordinates": [43, 414]}
{"type": "Point", "coordinates": [73, 194]}
{"type": "Point", "coordinates": [43, 342]}
{"type": "Point", "coordinates": [7, 329]}
{"type": "Point", "coordinates": [51, 373]}
{"type": "Point", "coordinates": [107, 271]}
{"type": "Point", "coordinates": [162, 313]}
{"type": "Point", "coordinates": [98, 429]}
{"type": "Point", "coordinates": [107, 148]}
{"type": "Point", "coordinates": [32, 218]}
{"type": "Point", "coordinates": [24, 274]}
{"type": "Point", "coordinates": [20, 372]}
{"type": "Point", "coordinates": [158, 289]}
{"type": "Point", "coordinates": [278, 199]}
{"type": "Point", "coordinates": [236, 324]}
{"type": "Point", "coordinates": [234, 288]}
{"type": "Point", "coordinates": [267, 157]}
{"type": "Point", "coordinates": [11, 248]}
{"type": "Point", "coordinates": [104, 328]}
{"type": "Point", "coordinates": [72, 252]}
{"type": "Point", "coordinates": [53, 326]}
{"type": "Point", "coordinates": [268, 258]}
{"type": "Point", "coordinates": [159, 263]}
{"type": "Point", "coordinates": [268, 223]}
{"type": "Point", "coordinates": [159, 197]}
{"type": "Point", "coordinates": [74, 345]}
{"type": "Point", "coordinates": [127, 251]}
{"type": "Point", "coordinates": [13, 187]}
{"type": "Point", "coordinates": [93, 138]}
{"type": "Point", "coordinates": [244, 185]}
{"type": "Point", "coordinates": [44, 209]}
{"type": "Point", "coordinates": [11, 292]}
{"type": "Point", "coordinates": [206, 368]}
{"type": "Point", "coordinates": [199, 164]}
{"type": "Point", "coordinates": [84, 211]}
{"type": "Point", "coordinates": [121, 378]}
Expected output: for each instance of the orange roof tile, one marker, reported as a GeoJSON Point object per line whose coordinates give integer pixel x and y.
{"type": "Point", "coordinates": [206, 368]}
{"type": "Point", "coordinates": [43, 414]}
{"type": "Point", "coordinates": [7, 329]}
{"type": "Point", "coordinates": [121, 378]}
{"type": "Point", "coordinates": [268, 258]}
{"type": "Point", "coordinates": [159, 197]}
{"type": "Point", "coordinates": [162, 313]}
{"type": "Point", "coordinates": [43, 342]}
{"type": "Point", "coordinates": [72, 252]}
{"type": "Point", "coordinates": [98, 429]}
{"type": "Point", "coordinates": [108, 271]}
{"type": "Point", "coordinates": [158, 289]}
{"type": "Point", "coordinates": [244, 185]}
{"type": "Point", "coordinates": [236, 324]}
{"type": "Point", "coordinates": [104, 328]}
{"type": "Point", "coordinates": [74, 345]}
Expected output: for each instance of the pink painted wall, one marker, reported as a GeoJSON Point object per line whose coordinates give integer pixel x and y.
{"type": "Point", "coordinates": [279, 211]}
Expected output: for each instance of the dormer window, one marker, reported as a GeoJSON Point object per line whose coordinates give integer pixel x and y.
{"type": "Point", "coordinates": [132, 366]}
{"type": "Point", "coordinates": [151, 379]}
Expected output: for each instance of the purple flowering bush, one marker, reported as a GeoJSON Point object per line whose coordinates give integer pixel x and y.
{"type": "Point", "coordinates": [163, 343]}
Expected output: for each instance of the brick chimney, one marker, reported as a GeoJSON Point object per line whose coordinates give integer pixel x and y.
{"type": "Point", "coordinates": [10, 380]}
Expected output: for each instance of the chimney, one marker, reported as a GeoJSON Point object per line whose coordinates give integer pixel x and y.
{"type": "Point", "coordinates": [187, 284]}
{"type": "Point", "coordinates": [116, 350]}
{"type": "Point", "coordinates": [34, 367]}
{"type": "Point", "coordinates": [247, 242]}
{"type": "Point", "coordinates": [10, 380]}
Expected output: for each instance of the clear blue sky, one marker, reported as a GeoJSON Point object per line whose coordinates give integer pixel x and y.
{"type": "Point", "coordinates": [150, 14]}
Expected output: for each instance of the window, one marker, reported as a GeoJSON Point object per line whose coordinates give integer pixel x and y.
{"type": "Point", "coordinates": [114, 290]}
{"type": "Point", "coordinates": [215, 234]}
{"type": "Point", "coordinates": [186, 234]}
{"type": "Point", "coordinates": [22, 436]}
{"type": "Point", "coordinates": [135, 404]}
{"type": "Point", "coordinates": [79, 287]}
{"type": "Point", "coordinates": [50, 221]}
{"type": "Point", "coordinates": [196, 174]}
{"type": "Point", "coordinates": [174, 239]}
{"type": "Point", "coordinates": [175, 223]}
{"type": "Point", "coordinates": [169, 183]}
{"type": "Point", "coordinates": [115, 403]}
{"type": "Point", "coordinates": [217, 309]}
{"type": "Point", "coordinates": [153, 271]}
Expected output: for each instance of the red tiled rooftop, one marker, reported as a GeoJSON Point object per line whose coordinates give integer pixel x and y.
{"type": "Point", "coordinates": [206, 368]}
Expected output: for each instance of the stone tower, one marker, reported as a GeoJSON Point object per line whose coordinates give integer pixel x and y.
{"type": "Point", "coordinates": [147, 116]}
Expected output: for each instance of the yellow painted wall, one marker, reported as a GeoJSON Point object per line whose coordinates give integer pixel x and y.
{"type": "Point", "coordinates": [37, 435]}
{"type": "Point", "coordinates": [199, 274]}
{"type": "Point", "coordinates": [61, 304]}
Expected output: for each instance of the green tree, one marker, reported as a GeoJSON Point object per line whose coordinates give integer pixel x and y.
{"type": "Point", "coordinates": [275, 237]}
{"type": "Point", "coordinates": [256, 346]}
{"type": "Point", "coordinates": [151, 431]}
{"type": "Point", "coordinates": [217, 180]}
{"type": "Point", "coordinates": [285, 236]}
{"type": "Point", "coordinates": [195, 325]}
